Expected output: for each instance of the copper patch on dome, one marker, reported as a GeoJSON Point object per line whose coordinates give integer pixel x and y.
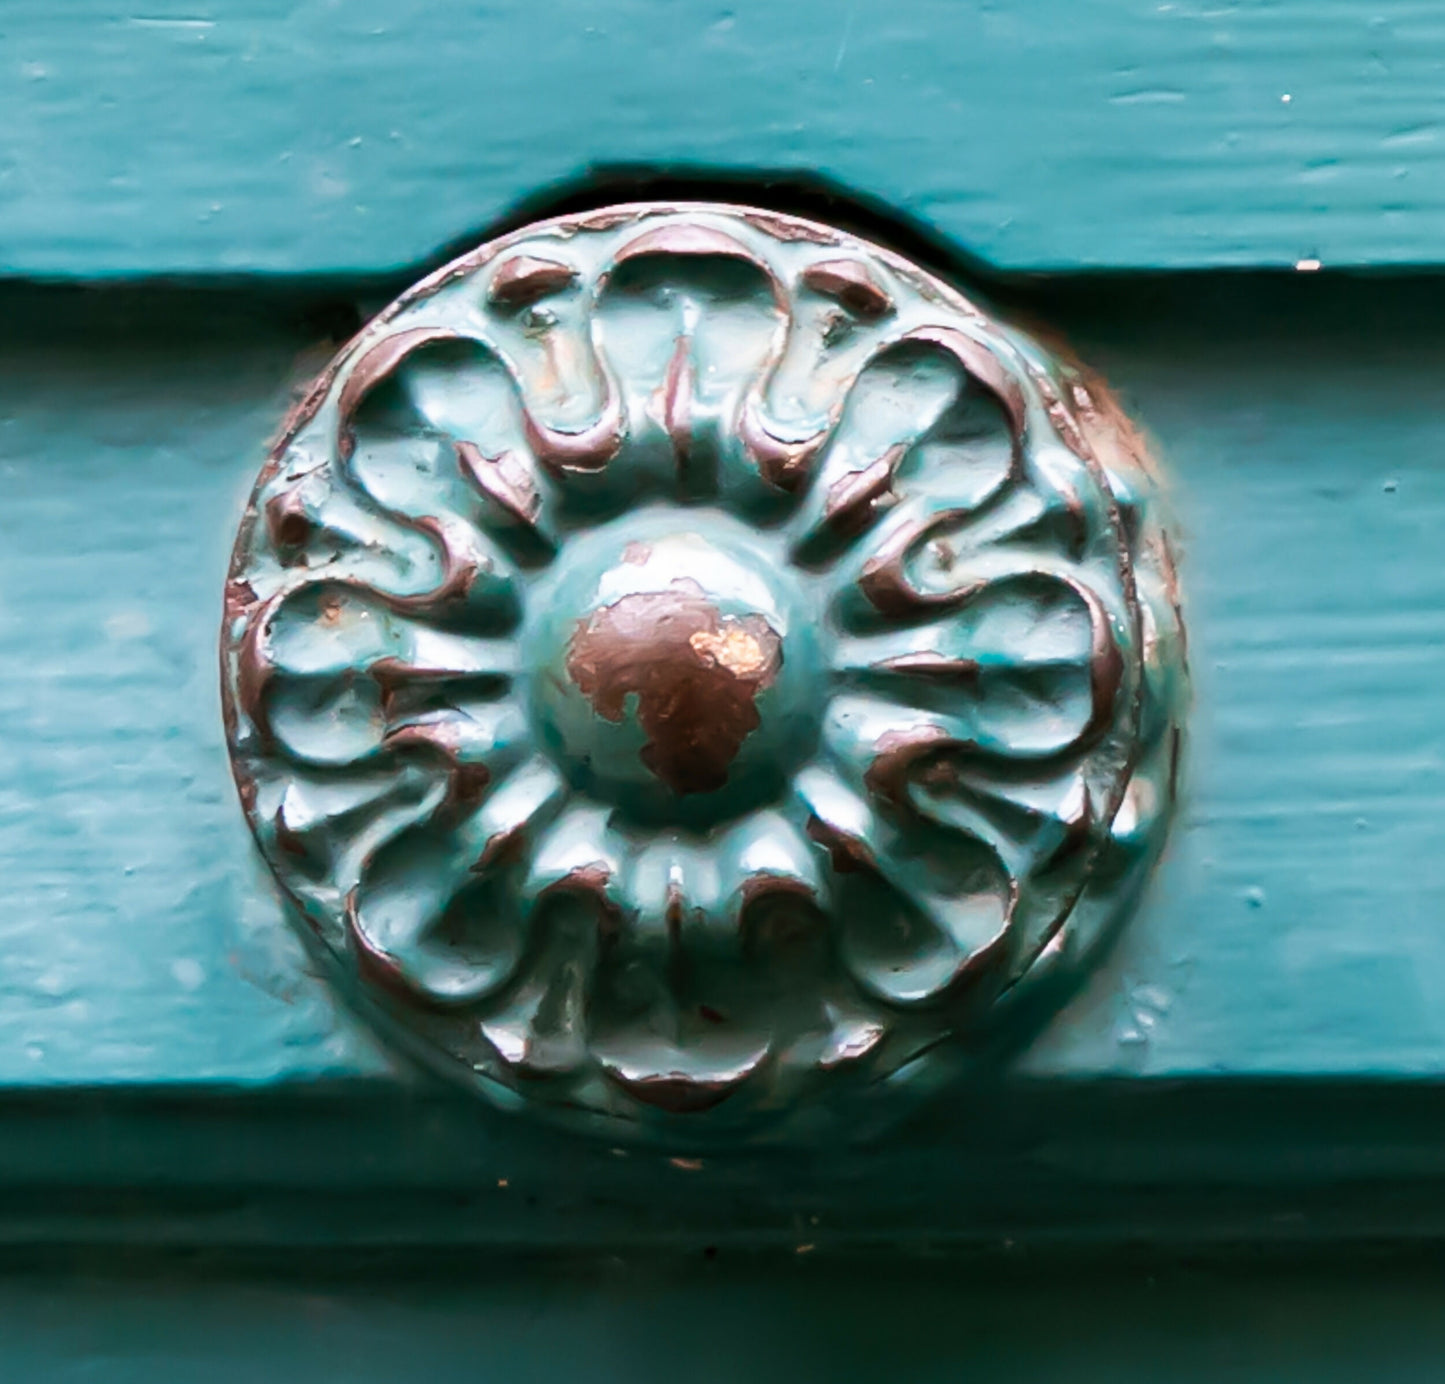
{"type": "Point", "coordinates": [696, 674]}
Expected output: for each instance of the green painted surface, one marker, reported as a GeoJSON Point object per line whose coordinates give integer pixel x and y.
{"type": "Point", "coordinates": [716, 1323]}
{"type": "Point", "coordinates": [216, 136]}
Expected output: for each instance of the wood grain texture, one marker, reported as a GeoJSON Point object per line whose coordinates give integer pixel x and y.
{"type": "Point", "coordinates": [269, 136]}
{"type": "Point", "coordinates": [1271, 1020]}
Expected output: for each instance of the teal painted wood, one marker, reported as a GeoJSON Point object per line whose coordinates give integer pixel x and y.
{"type": "Point", "coordinates": [161, 1034]}
{"type": "Point", "coordinates": [219, 136]}
{"type": "Point", "coordinates": [635, 1325]}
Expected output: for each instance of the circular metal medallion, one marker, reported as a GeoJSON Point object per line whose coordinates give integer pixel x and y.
{"type": "Point", "coordinates": [681, 660]}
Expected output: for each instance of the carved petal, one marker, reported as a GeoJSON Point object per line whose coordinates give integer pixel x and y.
{"type": "Point", "coordinates": [330, 827]}
{"type": "Point", "coordinates": [430, 915]}
{"type": "Point", "coordinates": [1027, 665]}
{"type": "Point", "coordinates": [539, 1030]}
{"type": "Point", "coordinates": [682, 1077]}
{"type": "Point", "coordinates": [424, 924]}
{"type": "Point", "coordinates": [474, 743]}
{"type": "Point", "coordinates": [577, 855]}
{"type": "Point", "coordinates": [902, 398]}
{"type": "Point", "coordinates": [912, 947]}
{"type": "Point", "coordinates": [767, 857]}
{"type": "Point", "coordinates": [320, 670]}
{"type": "Point", "coordinates": [918, 915]}
{"type": "Point", "coordinates": [523, 803]}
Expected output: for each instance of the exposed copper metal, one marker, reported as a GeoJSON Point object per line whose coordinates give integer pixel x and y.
{"type": "Point", "coordinates": [467, 780]}
{"type": "Point", "coordinates": [240, 597]}
{"type": "Point", "coordinates": [789, 229]}
{"type": "Point", "coordinates": [696, 674]}
{"type": "Point", "coordinates": [287, 520]}
{"type": "Point", "coordinates": [587, 449]}
{"type": "Point", "coordinates": [374, 365]}
{"type": "Point", "coordinates": [683, 1091]}
{"type": "Point", "coordinates": [501, 849]}
{"type": "Point", "coordinates": [961, 672]}
{"type": "Point", "coordinates": [609, 218]}
{"type": "Point", "coordinates": [287, 840]}
{"type": "Point", "coordinates": [254, 670]}
{"type": "Point", "coordinates": [591, 882]}
{"type": "Point", "coordinates": [851, 283]}
{"type": "Point", "coordinates": [677, 394]}
{"type": "Point", "coordinates": [1106, 665]}
{"type": "Point", "coordinates": [847, 853]}
{"type": "Point", "coordinates": [673, 910]}
{"type": "Point", "coordinates": [854, 500]}
{"type": "Point", "coordinates": [781, 462]}
{"type": "Point", "coordinates": [378, 967]}
{"type": "Point", "coordinates": [769, 884]}
{"type": "Point", "coordinates": [523, 279]}
{"type": "Point", "coordinates": [504, 479]}
{"type": "Point", "coordinates": [681, 238]}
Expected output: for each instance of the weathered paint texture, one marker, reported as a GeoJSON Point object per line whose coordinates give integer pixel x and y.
{"type": "Point", "coordinates": [229, 136]}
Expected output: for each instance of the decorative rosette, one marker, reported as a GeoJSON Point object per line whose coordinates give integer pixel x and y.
{"type": "Point", "coordinates": [681, 659]}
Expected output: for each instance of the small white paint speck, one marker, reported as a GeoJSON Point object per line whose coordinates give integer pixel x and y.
{"type": "Point", "coordinates": [1307, 266]}
{"type": "Point", "coordinates": [189, 974]}
{"type": "Point", "coordinates": [1286, 98]}
{"type": "Point", "coordinates": [194, 24]}
{"type": "Point", "coordinates": [125, 625]}
{"type": "Point", "coordinates": [1155, 996]}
